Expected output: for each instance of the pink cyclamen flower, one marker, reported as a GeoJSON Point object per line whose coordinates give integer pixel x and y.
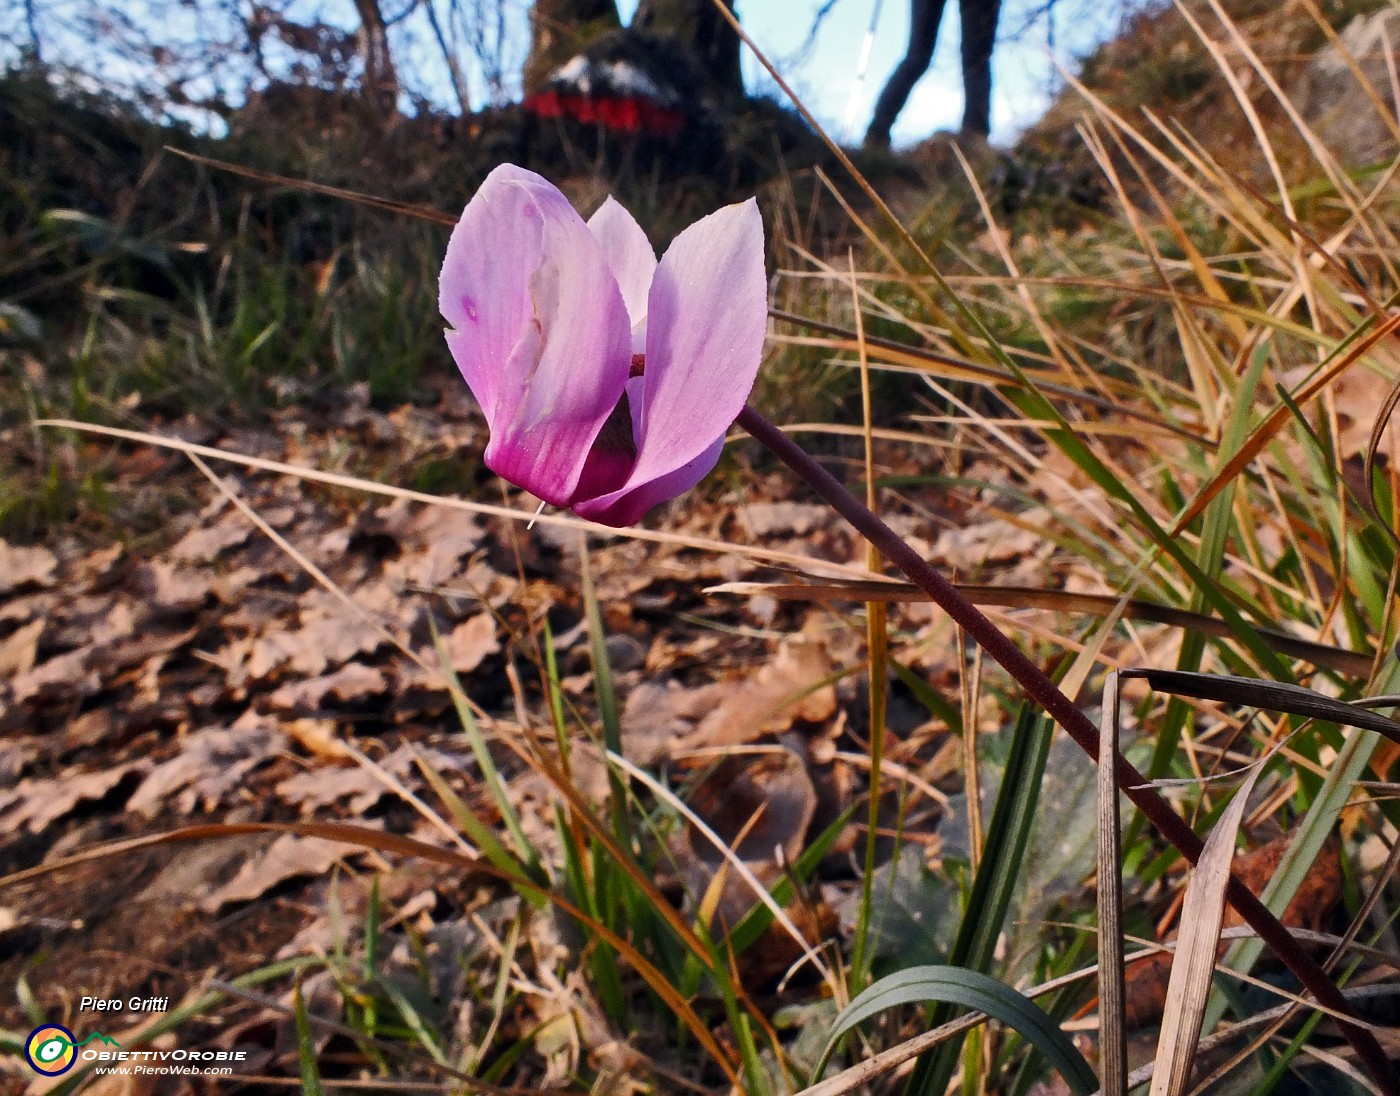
{"type": "Point", "coordinates": [607, 379]}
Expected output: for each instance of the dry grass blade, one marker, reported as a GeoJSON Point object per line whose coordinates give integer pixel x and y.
{"type": "Point", "coordinates": [1028, 597]}
{"type": "Point", "coordinates": [732, 862]}
{"type": "Point", "coordinates": [1273, 695]}
{"type": "Point", "coordinates": [354, 483]}
{"type": "Point", "coordinates": [1047, 334]}
{"type": "Point", "coordinates": [883, 249]}
{"type": "Point", "coordinates": [1194, 965]}
{"type": "Point", "coordinates": [1276, 420]}
{"type": "Point", "coordinates": [1113, 1039]}
{"type": "Point", "coordinates": [388, 205]}
{"type": "Point", "coordinates": [899, 356]}
{"type": "Point", "coordinates": [474, 872]}
{"type": "Point", "coordinates": [877, 644]}
{"type": "Point", "coordinates": [1232, 1033]}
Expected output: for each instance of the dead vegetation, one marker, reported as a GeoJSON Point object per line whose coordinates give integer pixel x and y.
{"type": "Point", "coordinates": [415, 791]}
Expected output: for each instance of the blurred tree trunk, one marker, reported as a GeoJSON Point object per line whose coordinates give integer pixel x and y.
{"type": "Point", "coordinates": [700, 28]}
{"type": "Point", "coordinates": [561, 28]}
{"type": "Point", "coordinates": [979, 35]}
{"type": "Point", "coordinates": [381, 81]}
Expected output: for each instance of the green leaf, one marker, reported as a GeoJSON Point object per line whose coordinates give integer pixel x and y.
{"type": "Point", "coordinates": [973, 990]}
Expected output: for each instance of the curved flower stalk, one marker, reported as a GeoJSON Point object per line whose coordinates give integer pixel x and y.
{"type": "Point", "coordinates": [607, 379]}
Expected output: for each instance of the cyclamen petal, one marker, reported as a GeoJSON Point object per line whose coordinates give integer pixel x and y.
{"type": "Point", "coordinates": [627, 507]}
{"type": "Point", "coordinates": [706, 317]}
{"type": "Point", "coordinates": [630, 257]}
{"type": "Point", "coordinates": [540, 330]}
{"type": "Point", "coordinates": [546, 313]}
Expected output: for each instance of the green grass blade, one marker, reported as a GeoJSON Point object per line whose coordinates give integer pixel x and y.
{"type": "Point", "coordinates": [494, 785]}
{"type": "Point", "coordinates": [606, 695]}
{"type": "Point", "coordinates": [482, 835]}
{"type": "Point", "coordinates": [306, 1045]}
{"type": "Point", "coordinates": [1308, 838]}
{"type": "Point", "coordinates": [1217, 525]}
{"type": "Point", "coordinates": [1008, 836]}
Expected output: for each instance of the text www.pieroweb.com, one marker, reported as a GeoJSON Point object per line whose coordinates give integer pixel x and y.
{"type": "Point", "coordinates": [204, 1063]}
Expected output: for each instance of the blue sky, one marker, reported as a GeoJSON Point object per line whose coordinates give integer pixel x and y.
{"type": "Point", "coordinates": [1024, 71]}
{"type": "Point", "coordinates": [824, 75]}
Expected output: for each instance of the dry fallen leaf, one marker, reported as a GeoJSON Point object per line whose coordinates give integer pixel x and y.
{"type": "Point", "coordinates": [89, 571]}
{"type": "Point", "coordinates": [261, 656]}
{"type": "Point", "coordinates": [67, 676]}
{"type": "Point", "coordinates": [471, 642]}
{"type": "Point", "coordinates": [14, 756]}
{"type": "Point", "coordinates": [1357, 395]}
{"type": "Point", "coordinates": [37, 804]}
{"type": "Point", "coordinates": [27, 607]}
{"type": "Point", "coordinates": [286, 858]}
{"type": "Point", "coordinates": [332, 632]}
{"type": "Point", "coordinates": [313, 789]}
{"type": "Point", "coordinates": [205, 543]}
{"type": "Point", "coordinates": [657, 716]}
{"type": "Point", "coordinates": [149, 647]}
{"type": "Point", "coordinates": [25, 567]}
{"type": "Point", "coordinates": [317, 737]}
{"type": "Point", "coordinates": [115, 624]}
{"type": "Point", "coordinates": [970, 547]}
{"type": "Point", "coordinates": [174, 588]}
{"type": "Point", "coordinates": [765, 519]}
{"type": "Point", "coordinates": [792, 686]}
{"type": "Point", "coordinates": [350, 683]}
{"type": "Point", "coordinates": [432, 542]}
{"type": "Point", "coordinates": [760, 805]}
{"type": "Point", "coordinates": [212, 763]}
{"type": "Point", "coordinates": [19, 649]}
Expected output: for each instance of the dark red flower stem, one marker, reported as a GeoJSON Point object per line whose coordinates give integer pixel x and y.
{"type": "Point", "coordinates": [1079, 727]}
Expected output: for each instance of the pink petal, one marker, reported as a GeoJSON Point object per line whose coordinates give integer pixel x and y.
{"type": "Point", "coordinates": [540, 330]}
{"type": "Point", "coordinates": [629, 255]}
{"type": "Point", "coordinates": [627, 507]}
{"type": "Point", "coordinates": [707, 314]}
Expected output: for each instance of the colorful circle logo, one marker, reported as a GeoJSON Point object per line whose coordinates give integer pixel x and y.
{"type": "Point", "coordinates": [50, 1049]}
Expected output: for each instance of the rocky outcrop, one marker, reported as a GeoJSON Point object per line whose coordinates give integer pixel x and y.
{"type": "Point", "coordinates": [1347, 91]}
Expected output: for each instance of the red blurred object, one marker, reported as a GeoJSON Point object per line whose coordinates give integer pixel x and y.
{"type": "Point", "coordinates": [625, 114]}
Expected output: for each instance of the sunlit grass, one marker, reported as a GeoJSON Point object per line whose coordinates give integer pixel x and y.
{"type": "Point", "coordinates": [1175, 395]}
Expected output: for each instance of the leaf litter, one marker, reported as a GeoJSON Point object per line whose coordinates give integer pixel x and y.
{"type": "Point", "coordinates": [213, 678]}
